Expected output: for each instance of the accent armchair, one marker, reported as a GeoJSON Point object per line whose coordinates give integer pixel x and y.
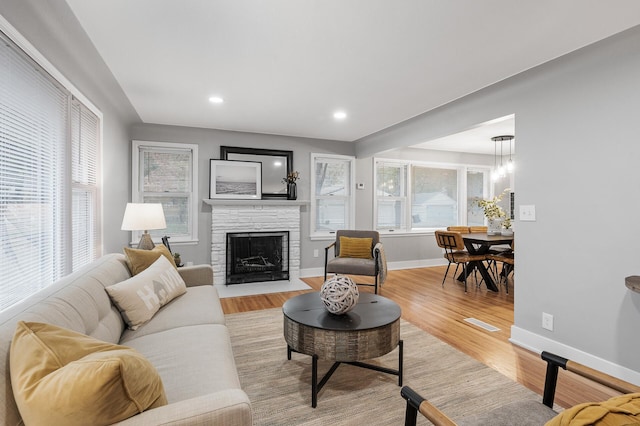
{"type": "Point", "coordinates": [356, 253]}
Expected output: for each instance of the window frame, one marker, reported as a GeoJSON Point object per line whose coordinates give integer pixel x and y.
{"type": "Point", "coordinates": [137, 184]}
{"type": "Point", "coordinates": [63, 254]}
{"type": "Point", "coordinates": [404, 198]}
{"type": "Point", "coordinates": [461, 171]}
{"type": "Point", "coordinates": [350, 218]}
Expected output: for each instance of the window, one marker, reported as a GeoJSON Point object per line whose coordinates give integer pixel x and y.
{"type": "Point", "coordinates": [49, 193]}
{"type": "Point", "coordinates": [167, 173]}
{"type": "Point", "coordinates": [412, 196]}
{"type": "Point", "coordinates": [332, 199]}
{"type": "Point", "coordinates": [391, 192]}
{"type": "Point", "coordinates": [434, 197]}
{"type": "Point", "coordinates": [477, 187]}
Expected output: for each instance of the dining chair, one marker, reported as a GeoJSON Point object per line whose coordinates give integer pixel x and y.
{"type": "Point", "coordinates": [478, 229]}
{"type": "Point", "coordinates": [454, 252]}
{"type": "Point", "coordinates": [508, 265]}
{"type": "Point", "coordinates": [457, 228]}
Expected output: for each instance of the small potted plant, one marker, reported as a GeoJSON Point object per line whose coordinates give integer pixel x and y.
{"type": "Point", "coordinates": [176, 259]}
{"type": "Point", "coordinates": [506, 225]}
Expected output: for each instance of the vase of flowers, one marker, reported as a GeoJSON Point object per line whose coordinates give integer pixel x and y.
{"type": "Point", "coordinates": [292, 187]}
{"type": "Point", "coordinates": [494, 213]}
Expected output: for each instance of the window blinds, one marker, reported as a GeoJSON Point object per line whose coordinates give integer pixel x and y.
{"type": "Point", "coordinates": [41, 223]}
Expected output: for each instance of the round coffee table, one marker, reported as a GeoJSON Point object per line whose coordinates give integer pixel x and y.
{"type": "Point", "coordinates": [370, 330]}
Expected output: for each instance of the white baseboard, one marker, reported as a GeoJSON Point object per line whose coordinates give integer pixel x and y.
{"type": "Point", "coordinates": [537, 343]}
{"type": "Point", "coordinates": [391, 266]}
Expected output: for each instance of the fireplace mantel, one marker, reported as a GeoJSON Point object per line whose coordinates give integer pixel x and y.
{"type": "Point", "coordinates": [274, 202]}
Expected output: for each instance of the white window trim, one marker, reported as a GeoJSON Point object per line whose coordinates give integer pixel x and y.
{"type": "Point", "coordinates": [406, 197]}
{"type": "Point", "coordinates": [136, 193]}
{"type": "Point", "coordinates": [462, 168]}
{"type": "Point", "coordinates": [352, 196]}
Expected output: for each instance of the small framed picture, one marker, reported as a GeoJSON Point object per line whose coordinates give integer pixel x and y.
{"type": "Point", "coordinates": [235, 179]}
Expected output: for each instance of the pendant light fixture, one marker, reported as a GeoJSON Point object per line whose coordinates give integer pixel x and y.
{"type": "Point", "coordinates": [500, 171]}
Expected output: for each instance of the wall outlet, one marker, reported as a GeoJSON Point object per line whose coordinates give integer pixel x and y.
{"type": "Point", "coordinates": [547, 321]}
{"type": "Point", "coordinates": [315, 252]}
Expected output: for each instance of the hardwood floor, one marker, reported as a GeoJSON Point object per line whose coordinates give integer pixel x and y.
{"type": "Point", "coordinates": [441, 311]}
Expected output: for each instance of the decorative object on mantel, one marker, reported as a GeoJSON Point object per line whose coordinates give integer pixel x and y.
{"type": "Point", "coordinates": [292, 187]}
{"type": "Point", "coordinates": [143, 217]}
{"type": "Point", "coordinates": [339, 294]}
{"type": "Point", "coordinates": [633, 283]}
{"type": "Point", "coordinates": [275, 164]}
{"type": "Point", "coordinates": [493, 212]}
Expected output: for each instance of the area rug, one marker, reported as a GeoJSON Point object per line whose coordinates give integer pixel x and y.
{"type": "Point", "coordinates": [280, 390]}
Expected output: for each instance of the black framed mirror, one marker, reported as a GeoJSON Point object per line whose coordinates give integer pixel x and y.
{"type": "Point", "coordinates": [276, 165]}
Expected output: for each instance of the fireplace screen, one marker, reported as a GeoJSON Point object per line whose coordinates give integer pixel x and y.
{"type": "Point", "coordinates": [257, 256]}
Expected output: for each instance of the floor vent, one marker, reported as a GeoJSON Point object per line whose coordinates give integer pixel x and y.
{"type": "Point", "coordinates": [482, 324]}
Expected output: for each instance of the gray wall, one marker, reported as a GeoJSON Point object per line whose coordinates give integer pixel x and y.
{"type": "Point", "coordinates": [209, 142]}
{"type": "Point", "coordinates": [577, 133]}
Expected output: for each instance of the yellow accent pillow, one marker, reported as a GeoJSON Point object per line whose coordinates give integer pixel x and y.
{"type": "Point", "coordinates": [356, 247]}
{"type": "Point", "coordinates": [139, 260]}
{"type": "Point", "coordinates": [141, 296]}
{"type": "Point", "coordinates": [619, 410]}
{"type": "Point", "coordinates": [60, 377]}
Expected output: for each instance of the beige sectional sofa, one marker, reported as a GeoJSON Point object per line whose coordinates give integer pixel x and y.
{"type": "Point", "coordinates": [186, 341]}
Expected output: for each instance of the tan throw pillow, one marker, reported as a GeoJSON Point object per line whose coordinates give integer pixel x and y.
{"type": "Point", "coordinates": [141, 296]}
{"type": "Point", "coordinates": [139, 260]}
{"type": "Point", "coordinates": [356, 247]}
{"type": "Point", "coordinates": [60, 377]}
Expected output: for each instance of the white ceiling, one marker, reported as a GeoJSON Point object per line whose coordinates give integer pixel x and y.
{"type": "Point", "coordinates": [284, 66]}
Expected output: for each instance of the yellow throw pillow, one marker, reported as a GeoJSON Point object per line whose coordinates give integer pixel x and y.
{"type": "Point", "coordinates": [141, 296]}
{"type": "Point", "coordinates": [619, 410]}
{"type": "Point", "coordinates": [60, 377]}
{"type": "Point", "coordinates": [356, 247]}
{"type": "Point", "coordinates": [139, 260]}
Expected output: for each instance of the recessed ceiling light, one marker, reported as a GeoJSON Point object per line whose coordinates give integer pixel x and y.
{"type": "Point", "coordinates": [216, 100]}
{"type": "Point", "coordinates": [339, 115]}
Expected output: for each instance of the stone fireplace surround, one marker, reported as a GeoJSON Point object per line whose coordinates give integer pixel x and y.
{"type": "Point", "coordinates": [253, 216]}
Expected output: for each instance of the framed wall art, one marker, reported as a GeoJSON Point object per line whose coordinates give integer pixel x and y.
{"type": "Point", "coordinates": [235, 179]}
{"type": "Point", "coordinates": [276, 165]}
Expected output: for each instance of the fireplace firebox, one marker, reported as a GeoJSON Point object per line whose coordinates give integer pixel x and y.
{"type": "Point", "coordinates": [257, 256]}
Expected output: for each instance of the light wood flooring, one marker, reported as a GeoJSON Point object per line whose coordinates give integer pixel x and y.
{"type": "Point", "coordinates": [441, 311]}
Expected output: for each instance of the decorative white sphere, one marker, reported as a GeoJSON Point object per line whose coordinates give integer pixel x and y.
{"type": "Point", "coordinates": [339, 294]}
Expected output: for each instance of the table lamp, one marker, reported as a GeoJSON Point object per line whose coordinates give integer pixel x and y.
{"type": "Point", "coordinates": [143, 217]}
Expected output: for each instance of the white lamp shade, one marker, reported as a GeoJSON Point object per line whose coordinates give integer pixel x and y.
{"type": "Point", "coordinates": [143, 216]}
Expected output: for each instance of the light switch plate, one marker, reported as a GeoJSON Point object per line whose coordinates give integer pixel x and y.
{"type": "Point", "coordinates": [528, 213]}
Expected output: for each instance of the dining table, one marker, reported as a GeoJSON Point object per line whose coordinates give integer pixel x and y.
{"type": "Point", "coordinates": [479, 243]}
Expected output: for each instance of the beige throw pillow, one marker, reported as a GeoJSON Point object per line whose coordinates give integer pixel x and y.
{"type": "Point", "coordinates": [141, 296]}
{"type": "Point", "coordinates": [60, 377]}
{"type": "Point", "coordinates": [139, 260]}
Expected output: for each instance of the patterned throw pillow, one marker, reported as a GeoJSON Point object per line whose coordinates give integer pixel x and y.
{"type": "Point", "coordinates": [60, 377]}
{"type": "Point", "coordinates": [142, 295]}
{"type": "Point", "coordinates": [356, 247]}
